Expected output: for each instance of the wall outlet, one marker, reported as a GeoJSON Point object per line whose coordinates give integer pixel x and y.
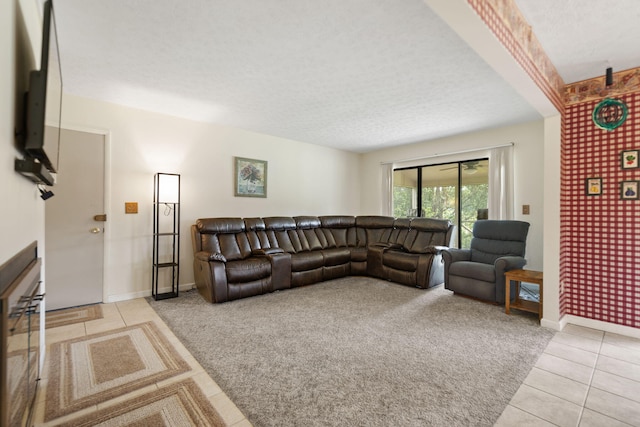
{"type": "Point", "coordinates": [131, 207]}
{"type": "Point", "coordinates": [525, 209]}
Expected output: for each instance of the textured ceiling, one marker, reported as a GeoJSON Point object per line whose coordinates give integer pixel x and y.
{"type": "Point", "coordinates": [584, 37]}
{"type": "Point", "coordinates": [358, 75]}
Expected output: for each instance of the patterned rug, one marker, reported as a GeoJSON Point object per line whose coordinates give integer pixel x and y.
{"type": "Point", "coordinates": [19, 383]}
{"type": "Point", "coordinates": [178, 404]}
{"type": "Point", "coordinates": [89, 370]}
{"type": "Point", "coordinates": [68, 316]}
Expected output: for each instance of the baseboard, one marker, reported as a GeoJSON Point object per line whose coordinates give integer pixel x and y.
{"type": "Point", "coordinates": [599, 325]}
{"type": "Point", "coordinates": [143, 294]}
{"type": "Point", "coordinates": [556, 326]}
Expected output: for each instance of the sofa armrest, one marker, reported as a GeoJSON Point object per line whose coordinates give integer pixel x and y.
{"type": "Point", "coordinates": [432, 250]}
{"type": "Point", "coordinates": [210, 256]}
{"type": "Point", "coordinates": [267, 251]}
{"type": "Point", "coordinates": [384, 245]}
{"type": "Point", "coordinates": [210, 276]}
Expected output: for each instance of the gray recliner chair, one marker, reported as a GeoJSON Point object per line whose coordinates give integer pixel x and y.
{"type": "Point", "coordinates": [497, 246]}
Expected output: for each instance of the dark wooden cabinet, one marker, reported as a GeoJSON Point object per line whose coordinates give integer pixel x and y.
{"type": "Point", "coordinates": [21, 329]}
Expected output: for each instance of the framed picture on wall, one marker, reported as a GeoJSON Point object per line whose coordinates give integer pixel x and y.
{"type": "Point", "coordinates": [629, 159]}
{"type": "Point", "coordinates": [629, 190]}
{"type": "Point", "coordinates": [250, 177]}
{"type": "Point", "coordinates": [593, 186]}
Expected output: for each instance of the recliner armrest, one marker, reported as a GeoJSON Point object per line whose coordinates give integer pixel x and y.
{"type": "Point", "coordinates": [454, 255]}
{"type": "Point", "coordinates": [507, 263]}
{"type": "Point", "coordinates": [210, 256]}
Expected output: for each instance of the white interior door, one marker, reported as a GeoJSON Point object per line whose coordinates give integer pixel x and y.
{"type": "Point", "coordinates": [74, 239]}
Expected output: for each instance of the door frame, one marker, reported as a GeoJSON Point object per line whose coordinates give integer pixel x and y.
{"type": "Point", "coordinates": [106, 133]}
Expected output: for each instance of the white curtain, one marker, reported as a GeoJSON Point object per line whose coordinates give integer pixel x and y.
{"type": "Point", "coordinates": [387, 189]}
{"type": "Point", "coordinates": [501, 183]}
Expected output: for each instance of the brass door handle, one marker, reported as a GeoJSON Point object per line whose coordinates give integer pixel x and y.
{"type": "Point", "coordinates": [96, 230]}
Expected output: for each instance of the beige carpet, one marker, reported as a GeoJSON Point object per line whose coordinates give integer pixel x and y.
{"type": "Point", "coordinates": [90, 370]}
{"type": "Point", "coordinates": [68, 316]}
{"type": "Point", "coordinates": [360, 352]}
{"type": "Point", "coordinates": [178, 404]}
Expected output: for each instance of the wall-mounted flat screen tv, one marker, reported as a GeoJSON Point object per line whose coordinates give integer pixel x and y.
{"type": "Point", "coordinates": [44, 99]}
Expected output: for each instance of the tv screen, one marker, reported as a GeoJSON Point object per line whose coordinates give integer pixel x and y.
{"type": "Point", "coordinates": [44, 99]}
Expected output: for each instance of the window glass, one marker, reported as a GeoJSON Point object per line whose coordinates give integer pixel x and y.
{"type": "Point", "coordinates": [455, 191]}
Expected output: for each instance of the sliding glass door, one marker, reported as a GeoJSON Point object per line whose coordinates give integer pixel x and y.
{"type": "Point", "coordinates": [455, 191]}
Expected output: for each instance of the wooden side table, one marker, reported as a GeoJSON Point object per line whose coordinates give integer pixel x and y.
{"type": "Point", "coordinates": [518, 276]}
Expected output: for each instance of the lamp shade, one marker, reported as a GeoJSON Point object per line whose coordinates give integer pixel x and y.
{"type": "Point", "coordinates": [168, 188]}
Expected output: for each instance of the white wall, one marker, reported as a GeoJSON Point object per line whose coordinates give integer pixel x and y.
{"type": "Point", "coordinates": [529, 172]}
{"type": "Point", "coordinates": [22, 216]}
{"type": "Point", "coordinates": [303, 179]}
{"type": "Point", "coordinates": [552, 175]}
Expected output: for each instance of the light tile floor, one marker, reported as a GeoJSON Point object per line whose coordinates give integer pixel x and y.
{"type": "Point", "coordinates": [585, 378]}
{"type": "Point", "coordinates": [127, 313]}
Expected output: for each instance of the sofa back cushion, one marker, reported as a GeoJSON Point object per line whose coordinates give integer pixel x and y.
{"type": "Point", "coordinates": [256, 233]}
{"type": "Point", "coordinates": [400, 231]}
{"type": "Point", "coordinates": [281, 232]}
{"type": "Point", "coordinates": [225, 236]}
{"type": "Point", "coordinates": [426, 232]}
{"type": "Point", "coordinates": [373, 229]}
{"type": "Point", "coordinates": [493, 239]}
{"type": "Point", "coordinates": [309, 233]}
{"type": "Point", "coordinates": [339, 230]}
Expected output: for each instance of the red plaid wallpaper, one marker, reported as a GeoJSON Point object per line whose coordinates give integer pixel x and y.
{"type": "Point", "coordinates": [600, 234]}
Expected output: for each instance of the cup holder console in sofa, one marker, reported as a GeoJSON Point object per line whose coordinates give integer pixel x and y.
{"type": "Point", "coordinates": [242, 257]}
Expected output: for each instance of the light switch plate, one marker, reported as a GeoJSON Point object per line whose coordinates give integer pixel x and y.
{"type": "Point", "coordinates": [131, 207]}
{"type": "Point", "coordinates": [525, 210]}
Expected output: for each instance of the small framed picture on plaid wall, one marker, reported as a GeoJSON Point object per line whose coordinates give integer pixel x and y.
{"type": "Point", "coordinates": [629, 190]}
{"type": "Point", "coordinates": [593, 186]}
{"type": "Point", "coordinates": [629, 159]}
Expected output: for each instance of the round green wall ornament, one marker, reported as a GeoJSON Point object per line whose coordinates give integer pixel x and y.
{"type": "Point", "coordinates": [610, 113]}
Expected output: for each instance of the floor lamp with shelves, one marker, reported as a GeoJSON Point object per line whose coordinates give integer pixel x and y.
{"type": "Point", "coordinates": [166, 236]}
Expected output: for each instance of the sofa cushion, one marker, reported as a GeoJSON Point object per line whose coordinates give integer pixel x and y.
{"type": "Point", "coordinates": [400, 260]}
{"type": "Point", "coordinates": [309, 260]}
{"type": "Point", "coordinates": [337, 221]}
{"type": "Point", "coordinates": [473, 270]}
{"type": "Point", "coordinates": [220, 225]}
{"type": "Point", "coordinates": [248, 270]}
{"type": "Point", "coordinates": [336, 256]}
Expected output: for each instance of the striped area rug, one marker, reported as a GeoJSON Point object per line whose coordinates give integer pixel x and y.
{"type": "Point", "coordinates": [178, 404]}
{"type": "Point", "coordinates": [67, 316]}
{"type": "Point", "coordinates": [90, 370]}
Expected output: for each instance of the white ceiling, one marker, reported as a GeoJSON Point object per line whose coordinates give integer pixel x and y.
{"type": "Point", "coordinates": [358, 75]}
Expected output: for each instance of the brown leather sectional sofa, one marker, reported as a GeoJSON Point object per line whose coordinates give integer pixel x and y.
{"type": "Point", "coordinates": [242, 257]}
